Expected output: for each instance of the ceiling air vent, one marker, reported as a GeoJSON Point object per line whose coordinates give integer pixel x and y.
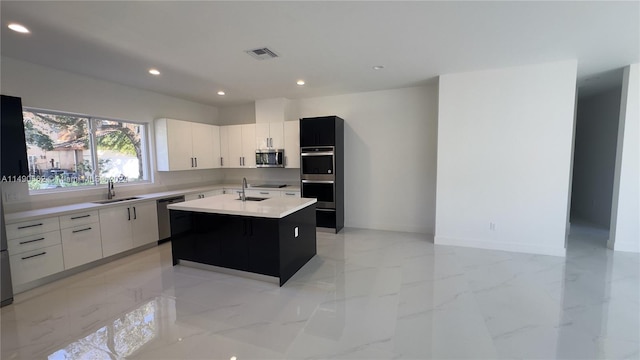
{"type": "Point", "coordinates": [262, 53]}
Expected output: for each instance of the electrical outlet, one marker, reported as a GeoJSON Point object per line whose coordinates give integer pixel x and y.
{"type": "Point", "coordinates": [492, 226]}
{"type": "Point", "coordinates": [295, 232]}
{"type": "Point", "coordinates": [11, 196]}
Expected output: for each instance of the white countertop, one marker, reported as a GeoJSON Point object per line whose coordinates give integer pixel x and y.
{"type": "Point", "coordinates": [276, 207]}
{"type": "Point", "coordinates": [27, 215]}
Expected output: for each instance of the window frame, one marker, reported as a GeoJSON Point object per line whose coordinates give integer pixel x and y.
{"type": "Point", "coordinates": [145, 145]}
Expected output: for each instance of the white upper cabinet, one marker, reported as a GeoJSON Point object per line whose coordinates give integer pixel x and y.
{"type": "Point", "coordinates": [248, 145]}
{"type": "Point", "coordinates": [184, 145]}
{"type": "Point", "coordinates": [270, 135]}
{"type": "Point", "coordinates": [270, 116]}
{"type": "Point", "coordinates": [206, 145]}
{"type": "Point", "coordinates": [224, 147]}
{"type": "Point", "coordinates": [292, 144]}
{"type": "Point", "coordinates": [238, 141]}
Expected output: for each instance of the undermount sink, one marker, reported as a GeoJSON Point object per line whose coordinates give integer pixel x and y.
{"type": "Point", "coordinates": [253, 198]}
{"type": "Point", "coordinates": [114, 200]}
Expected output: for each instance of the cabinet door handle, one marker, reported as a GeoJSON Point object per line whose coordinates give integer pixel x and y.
{"type": "Point", "coordinates": [196, 161]}
{"type": "Point", "coordinates": [135, 216]}
{"type": "Point", "coordinates": [80, 217]}
{"type": "Point", "coordinates": [81, 230]}
{"type": "Point", "coordinates": [128, 214]}
{"type": "Point", "coordinates": [221, 161]}
{"type": "Point", "coordinates": [29, 226]}
{"type": "Point", "coordinates": [32, 256]}
{"type": "Point", "coordinates": [30, 241]}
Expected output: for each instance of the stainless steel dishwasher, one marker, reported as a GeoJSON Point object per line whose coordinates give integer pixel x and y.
{"type": "Point", "coordinates": [164, 216]}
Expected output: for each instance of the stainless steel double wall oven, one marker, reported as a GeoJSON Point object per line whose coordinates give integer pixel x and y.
{"type": "Point", "coordinates": [317, 166]}
{"type": "Point", "coordinates": [322, 168]}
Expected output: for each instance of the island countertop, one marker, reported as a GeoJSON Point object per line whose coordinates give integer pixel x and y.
{"type": "Point", "coordinates": [275, 207]}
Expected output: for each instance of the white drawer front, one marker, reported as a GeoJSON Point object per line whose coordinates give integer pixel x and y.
{"type": "Point", "coordinates": [291, 193]}
{"type": "Point", "coordinates": [26, 228]}
{"type": "Point", "coordinates": [33, 242]}
{"type": "Point", "coordinates": [262, 193]}
{"type": "Point", "coordinates": [80, 218]}
{"type": "Point", "coordinates": [36, 264]}
{"type": "Point", "coordinates": [81, 245]}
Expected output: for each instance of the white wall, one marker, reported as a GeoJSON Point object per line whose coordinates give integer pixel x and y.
{"type": "Point", "coordinates": [52, 89]}
{"type": "Point", "coordinates": [504, 157]}
{"type": "Point", "coordinates": [595, 157]}
{"type": "Point", "coordinates": [238, 114]}
{"type": "Point", "coordinates": [625, 213]}
{"type": "Point", "coordinates": [390, 155]}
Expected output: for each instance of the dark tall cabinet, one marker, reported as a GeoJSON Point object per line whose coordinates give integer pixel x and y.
{"type": "Point", "coordinates": [13, 145]}
{"type": "Point", "coordinates": [322, 168]}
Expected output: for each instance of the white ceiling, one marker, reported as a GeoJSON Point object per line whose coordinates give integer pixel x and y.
{"type": "Point", "coordinates": [199, 46]}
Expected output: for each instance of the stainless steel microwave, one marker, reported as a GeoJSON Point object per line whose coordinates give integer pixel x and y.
{"type": "Point", "coordinates": [273, 158]}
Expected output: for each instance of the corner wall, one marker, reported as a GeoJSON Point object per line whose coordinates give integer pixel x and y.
{"type": "Point", "coordinates": [390, 155]}
{"type": "Point", "coordinates": [625, 211]}
{"type": "Point", "coordinates": [595, 157]}
{"type": "Point", "coordinates": [504, 158]}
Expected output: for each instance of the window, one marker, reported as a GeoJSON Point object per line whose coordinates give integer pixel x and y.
{"type": "Point", "coordinates": [67, 150]}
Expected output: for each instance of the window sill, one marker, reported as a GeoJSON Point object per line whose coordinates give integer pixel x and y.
{"type": "Point", "coordinates": [88, 189]}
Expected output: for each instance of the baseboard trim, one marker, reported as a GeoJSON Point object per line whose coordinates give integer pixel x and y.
{"type": "Point", "coordinates": [626, 246]}
{"type": "Point", "coordinates": [497, 245]}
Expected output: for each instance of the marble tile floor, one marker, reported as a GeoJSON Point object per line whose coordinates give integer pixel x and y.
{"type": "Point", "coordinates": [366, 295]}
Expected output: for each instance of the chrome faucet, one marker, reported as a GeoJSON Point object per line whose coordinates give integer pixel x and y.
{"type": "Point", "coordinates": [243, 197]}
{"type": "Point", "coordinates": [111, 193]}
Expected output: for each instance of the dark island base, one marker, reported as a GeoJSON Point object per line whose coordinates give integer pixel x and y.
{"type": "Point", "coordinates": [259, 245]}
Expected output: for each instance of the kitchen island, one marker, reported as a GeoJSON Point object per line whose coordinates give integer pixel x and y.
{"type": "Point", "coordinates": [273, 237]}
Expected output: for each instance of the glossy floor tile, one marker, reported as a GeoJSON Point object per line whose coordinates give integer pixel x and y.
{"type": "Point", "coordinates": [366, 295]}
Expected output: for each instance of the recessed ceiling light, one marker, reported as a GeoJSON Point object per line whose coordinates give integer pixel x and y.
{"type": "Point", "coordinates": [19, 28]}
{"type": "Point", "coordinates": [221, 93]}
{"type": "Point", "coordinates": [300, 82]}
{"type": "Point", "coordinates": [378, 67]}
{"type": "Point", "coordinates": [154, 72]}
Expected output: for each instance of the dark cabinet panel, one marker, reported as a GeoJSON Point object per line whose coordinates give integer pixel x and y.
{"type": "Point", "coordinates": [206, 234]}
{"type": "Point", "coordinates": [234, 244]}
{"type": "Point", "coordinates": [264, 247]}
{"type": "Point", "coordinates": [318, 131]}
{"type": "Point", "coordinates": [14, 147]}
{"type": "Point", "coordinates": [273, 247]}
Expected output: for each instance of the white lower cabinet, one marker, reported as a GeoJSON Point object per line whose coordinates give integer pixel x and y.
{"type": "Point", "coordinates": [115, 230]}
{"type": "Point", "coordinates": [262, 193]}
{"type": "Point", "coordinates": [125, 227]}
{"type": "Point", "coordinates": [203, 195]}
{"type": "Point", "coordinates": [291, 193]}
{"type": "Point", "coordinates": [145, 223]}
{"type": "Point", "coordinates": [81, 244]}
{"type": "Point", "coordinates": [35, 249]}
{"type": "Point", "coordinates": [35, 264]}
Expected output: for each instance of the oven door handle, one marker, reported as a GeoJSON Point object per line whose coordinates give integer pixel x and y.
{"type": "Point", "coordinates": [317, 181]}
{"type": "Point", "coordinates": [319, 153]}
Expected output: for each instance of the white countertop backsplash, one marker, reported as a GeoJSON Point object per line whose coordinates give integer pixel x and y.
{"type": "Point", "coordinates": [87, 204]}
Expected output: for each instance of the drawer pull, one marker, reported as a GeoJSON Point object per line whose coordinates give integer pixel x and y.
{"type": "Point", "coordinates": [29, 226]}
{"type": "Point", "coordinates": [30, 241]}
{"type": "Point", "coordinates": [81, 230]}
{"type": "Point", "coordinates": [80, 217]}
{"type": "Point", "coordinates": [264, 192]}
{"type": "Point", "coordinates": [289, 193]}
{"type": "Point", "coordinates": [32, 256]}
